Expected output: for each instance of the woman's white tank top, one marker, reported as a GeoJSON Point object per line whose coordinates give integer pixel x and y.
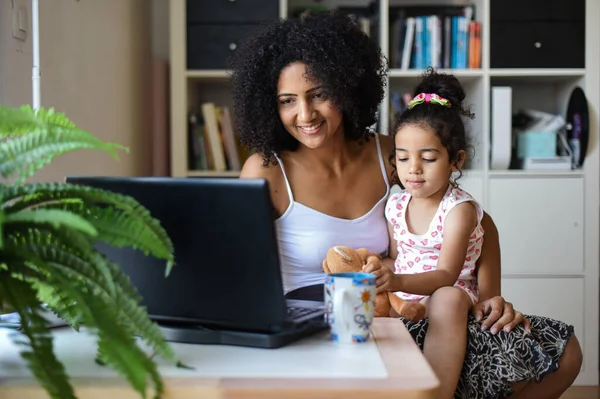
{"type": "Point", "coordinates": [305, 235]}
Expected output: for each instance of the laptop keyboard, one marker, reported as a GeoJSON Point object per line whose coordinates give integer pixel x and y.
{"type": "Point", "coordinates": [296, 313]}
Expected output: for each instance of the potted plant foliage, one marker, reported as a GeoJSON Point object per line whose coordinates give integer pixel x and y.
{"type": "Point", "coordinates": [48, 259]}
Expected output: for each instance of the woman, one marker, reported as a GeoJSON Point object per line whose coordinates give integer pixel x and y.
{"type": "Point", "coordinates": [306, 92]}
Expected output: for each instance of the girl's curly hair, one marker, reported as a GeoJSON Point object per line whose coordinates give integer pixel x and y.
{"type": "Point", "coordinates": [337, 54]}
{"type": "Point", "coordinates": [447, 123]}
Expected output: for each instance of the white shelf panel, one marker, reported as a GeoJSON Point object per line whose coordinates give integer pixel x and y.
{"type": "Point", "coordinates": [535, 173]}
{"type": "Point", "coordinates": [533, 76]}
{"type": "Point", "coordinates": [533, 73]}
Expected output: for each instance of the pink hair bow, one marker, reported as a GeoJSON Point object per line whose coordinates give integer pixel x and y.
{"type": "Point", "coordinates": [429, 98]}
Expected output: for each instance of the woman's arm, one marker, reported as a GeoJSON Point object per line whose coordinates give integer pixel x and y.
{"type": "Point", "coordinates": [495, 312]}
{"type": "Point", "coordinates": [488, 265]}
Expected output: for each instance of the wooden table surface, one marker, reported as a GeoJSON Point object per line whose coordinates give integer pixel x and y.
{"type": "Point", "coordinates": [389, 366]}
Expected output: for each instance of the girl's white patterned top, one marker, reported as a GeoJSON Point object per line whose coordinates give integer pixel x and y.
{"type": "Point", "coordinates": [419, 253]}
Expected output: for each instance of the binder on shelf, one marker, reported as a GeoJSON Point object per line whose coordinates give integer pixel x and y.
{"type": "Point", "coordinates": [501, 129]}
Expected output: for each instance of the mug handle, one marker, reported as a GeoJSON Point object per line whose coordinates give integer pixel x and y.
{"type": "Point", "coordinates": [340, 304]}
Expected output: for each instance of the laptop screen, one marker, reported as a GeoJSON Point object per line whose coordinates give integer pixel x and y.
{"type": "Point", "coordinates": [227, 262]}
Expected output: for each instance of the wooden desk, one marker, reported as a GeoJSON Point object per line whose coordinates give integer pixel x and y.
{"type": "Point", "coordinates": [388, 366]}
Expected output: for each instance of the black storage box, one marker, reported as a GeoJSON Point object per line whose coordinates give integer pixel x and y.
{"type": "Point", "coordinates": [537, 34]}
{"type": "Point", "coordinates": [216, 28]}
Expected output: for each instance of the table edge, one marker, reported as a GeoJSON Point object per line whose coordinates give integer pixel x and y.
{"type": "Point", "coordinates": [391, 336]}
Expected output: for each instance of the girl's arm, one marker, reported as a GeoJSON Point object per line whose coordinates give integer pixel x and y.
{"type": "Point", "coordinates": [458, 227]}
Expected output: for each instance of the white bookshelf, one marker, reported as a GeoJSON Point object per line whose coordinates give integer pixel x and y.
{"type": "Point", "coordinates": [563, 206]}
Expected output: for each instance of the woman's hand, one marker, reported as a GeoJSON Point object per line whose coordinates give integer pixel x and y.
{"type": "Point", "coordinates": [496, 314]}
{"type": "Point", "coordinates": [385, 278]}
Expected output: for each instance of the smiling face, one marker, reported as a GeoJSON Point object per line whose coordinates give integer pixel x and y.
{"type": "Point", "coordinates": [422, 162]}
{"type": "Point", "coordinates": [304, 109]}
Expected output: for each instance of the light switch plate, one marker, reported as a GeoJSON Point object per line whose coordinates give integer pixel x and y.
{"type": "Point", "coordinates": [20, 14]}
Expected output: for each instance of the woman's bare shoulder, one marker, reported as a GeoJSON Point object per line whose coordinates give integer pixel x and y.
{"type": "Point", "coordinates": [255, 168]}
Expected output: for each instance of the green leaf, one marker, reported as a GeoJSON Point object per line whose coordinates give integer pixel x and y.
{"type": "Point", "coordinates": [50, 116]}
{"type": "Point", "coordinates": [18, 121]}
{"type": "Point", "coordinates": [48, 233]}
{"type": "Point", "coordinates": [40, 356]}
{"type": "Point", "coordinates": [63, 248]}
{"type": "Point", "coordinates": [55, 217]}
{"type": "Point", "coordinates": [136, 316]}
{"type": "Point", "coordinates": [116, 345]}
{"type": "Point", "coordinates": [49, 194]}
{"type": "Point", "coordinates": [25, 154]}
{"type": "Point", "coordinates": [44, 250]}
{"type": "Point", "coordinates": [118, 228]}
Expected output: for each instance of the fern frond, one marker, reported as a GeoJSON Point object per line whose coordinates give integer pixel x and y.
{"type": "Point", "coordinates": [118, 228]}
{"type": "Point", "coordinates": [129, 360]}
{"type": "Point", "coordinates": [49, 194]}
{"type": "Point", "coordinates": [57, 303]}
{"type": "Point", "coordinates": [102, 317]}
{"type": "Point", "coordinates": [44, 250]}
{"type": "Point", "coordinates": [117, 345]}
{"type": "Point", "coordinates": [40, 356]}
{"type": "Point", "coordinates": [48, 234]}
{"type": "Point", "coordinates": [18, 121]}
{"type": "Point", "coordinates": [25, 154]}
{"type": "Point", "coordinates": [58, 244]}
{"type": "Point", "coordinates": [136, 317]}
{"type": "Point", "coordinates": [50, 116]}
{"type": "Point", "coordinates": [55, 217]}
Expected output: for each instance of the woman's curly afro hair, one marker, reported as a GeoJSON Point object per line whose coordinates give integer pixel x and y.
{"type": "Point", "coordinates": [337, 54]}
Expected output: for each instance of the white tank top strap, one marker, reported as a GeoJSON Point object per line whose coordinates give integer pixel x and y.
{"type": "Point", "coordinates": [287, 183]}
{"type": "Point", "coordinates": [382, 162]}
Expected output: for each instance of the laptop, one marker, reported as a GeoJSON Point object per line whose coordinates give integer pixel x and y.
{"type": "Point", "coordinates": [226, 286]}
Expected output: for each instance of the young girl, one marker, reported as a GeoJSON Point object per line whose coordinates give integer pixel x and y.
{"type": "Point", "coordinates": [435, 231]}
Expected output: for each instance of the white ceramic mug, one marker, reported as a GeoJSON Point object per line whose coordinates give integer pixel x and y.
{"type": "Point", "coordinates": [350, 305]}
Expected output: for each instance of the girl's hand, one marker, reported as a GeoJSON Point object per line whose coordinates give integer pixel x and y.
{"type": "Point", "coordinates": [385, 278]}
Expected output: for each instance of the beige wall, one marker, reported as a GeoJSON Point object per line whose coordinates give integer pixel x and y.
{"type": "Point", "coordinates": [95, 59]}
{"type": "Point", "coordinates": [159, 10]}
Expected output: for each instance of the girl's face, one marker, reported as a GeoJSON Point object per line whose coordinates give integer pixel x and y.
{"type": "Point", "coordinates": [305, 111]}
{"type": "Point", "coordinates": [422, 162]}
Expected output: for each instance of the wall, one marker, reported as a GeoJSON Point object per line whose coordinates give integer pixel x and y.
{"type": "Point", "coordinates": [94, 59]}
{"type": "Point", "coordinates": [159, 17]}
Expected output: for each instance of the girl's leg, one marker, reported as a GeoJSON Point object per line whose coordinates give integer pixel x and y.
{"type": "Point", "coordinates": [446, 339]}
{"type": "Point", "coordinates": [555, 384]}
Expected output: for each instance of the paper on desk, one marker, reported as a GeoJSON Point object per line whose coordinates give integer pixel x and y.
{"type": "Point", "coordinates": [312, 357]}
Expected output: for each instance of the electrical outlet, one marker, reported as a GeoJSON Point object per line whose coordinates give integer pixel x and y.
{"type": "Point", "coordinates": [20, 13]}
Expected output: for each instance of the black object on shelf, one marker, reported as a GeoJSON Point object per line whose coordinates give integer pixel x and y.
{"type": "Point", "coordinates": [578, 125]}
{"type": "Point", "coordinates": [537, 34]}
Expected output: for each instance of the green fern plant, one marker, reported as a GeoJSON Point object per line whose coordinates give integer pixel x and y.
{"type": "Point", "coordinates": [48, 259]}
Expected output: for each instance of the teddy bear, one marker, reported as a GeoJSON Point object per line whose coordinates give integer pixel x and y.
{"type": "Point", "coordinates": [346, 259]}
